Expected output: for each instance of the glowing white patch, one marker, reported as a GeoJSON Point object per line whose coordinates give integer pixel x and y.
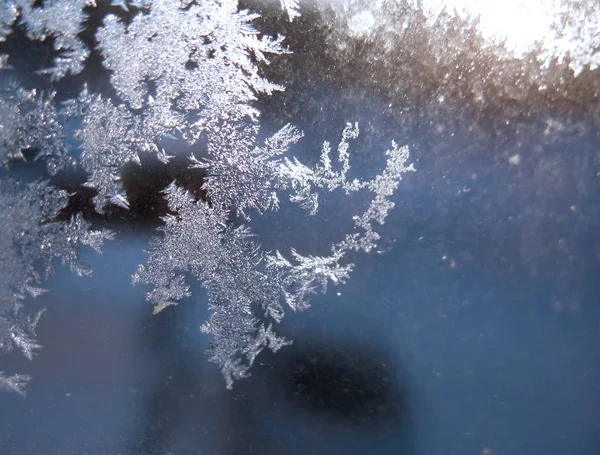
{"type": "Point", "coordinates": [559, 26]}
{"type": "Point", "coordinates": [361, 23]}
{"type": "Point", "coordinates": [519, 23]}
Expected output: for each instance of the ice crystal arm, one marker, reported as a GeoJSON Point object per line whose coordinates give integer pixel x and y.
{"type": "Point", "coordinates": [112, 136]}
{"type": "Point", "coordinates": [18, 331]}
{"type": "Point", "coordinates": [243, 295]}
{"type": "Point", "coordinates": [209, 68]}
{"type": "Point", "coordinates": [61, 20]}
{"type": "Point", "coordinates": [61, 241]}
{"type": "Point", "coordinates": [22, 212]}
{"type": "Point", "coordinates": [246, 286]}
{"type": "Point", "coordinates": [291, 7]}
{"type": "Point", "coordinates": [306, 181]}
{"type": "Point", "coordinates": [107, 143]}
{"type": "Point", "coordinates": [3, 60]}
{"type": "Point", "coordinates": [306, 275]}
{"type": "Point", "coordinates": [326, 176]}
{"type": "Point", "coordinates": [199, 240]}
{"type": "Point", "coordinates": [302, 276]}
{"type": "Point", "coordinates": [383, 186]}
{"type": "Point", "coordinates": [15, 383]}
{"type": "Point", "coordinates": [248, 171]}
{"type": "Point", "coordinates": [237, 339]}
{"type": "Point", "coordinates": [32, 241]}
{"type": "Point", "coordinates": [31, 123]}
{"type": "Point", "coordinates": [301, 178]}
{"type": "Point", "coordinates": [205, 84]}
{"type": "Point", "coordinates": [8, 15]}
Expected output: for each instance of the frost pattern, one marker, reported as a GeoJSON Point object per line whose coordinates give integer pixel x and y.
{"type": "Point", "coordinates": [566, 30]}
{"type": "Point", "coordinates": [206, 81]}
{"type": "Point", "coordinates": [204, 39]}
{"type": "Point", "coordinates": [250, 172]}
{"type": "Point", "coordinates": [58, 19]}
{"type": "Point", "coordinates": [246, 286]}
{"type": "Point", "coordinates": [32, 241]}
{"type": "Point", "coordinates": [8, 15]}
{"type": "Point", "coordinates": [30, 122]}
{"type": "Point", "coordinates": [199, 240]}
{"type": "Point", "coordinates": [183, 70]}
{"type": "Point", "coordinates": [303, 276]}
{"type": "Point", "coordinates": [291, 7]}
{"type": "Point", "coordinates": [577, 27]}
{"type": "Point", "coordinates": [203, 85]}
{"type": "Point", "coordinates": [15, 383]}
{"type": "Point", "coordinates": [18, 331]}
{"type": "Point", "coordinates": [111, 136]}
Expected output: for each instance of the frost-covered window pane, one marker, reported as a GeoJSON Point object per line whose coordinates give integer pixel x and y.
{"type": "Point", "coordinates": [296, 226]}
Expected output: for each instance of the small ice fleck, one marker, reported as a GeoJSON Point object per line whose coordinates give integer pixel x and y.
{"type": "Point", "coordinates": [515, 160]}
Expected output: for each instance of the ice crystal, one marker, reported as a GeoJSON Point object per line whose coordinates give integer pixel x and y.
{"type": "Point", "coordinates": [566, 30]}
{"type": "Point", "coordinates": [18, 331]}
{"type": "Point", "coordinates": [32, 241]}
{"type": "Point", "coordinates": [305, 180]}
{"type": "Point", "coordinates": [291, 7]}
{"type": "Point", "coordinates": [306, 275]}
{"type": "Point", "coordinates": [208, 69]}
{"type": "Point", "coordinates": [246, 285]}
{"type": "Point", "coordinates": [30, 123]}
{"type": "Point", "coordinates": [250, 172]}
{"type": "Point", "coordinates": [188, 71]}
{"type": "Point", "coordinates": [203, 86]}
{"type": "Point", "coordinates": [200, 241]}
{"type": "Point", "coordinates": [54, 18]}
{"type": "Point", "coordinates": [576, 26]}
{"type": "Point", "coordinates": [8, 15]}
{"type": "Point", "coordinates": [15, 383]}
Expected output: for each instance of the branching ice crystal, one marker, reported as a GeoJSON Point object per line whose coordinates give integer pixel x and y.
{"type": "Point", "coordinates": [32, 241]}
{"type": "Point", "coordinates": [183, 70]}
{"type": "Point", "coordinates": [291, 7]}
{"type": "Point", "coordinates": [58, 19]}
{"type": "Point", "coordinates": [30, 123]}
{"type": "Point", "coordinates": [306, 275]}
{"type": "Point", "coordinates": [111, 136]}
{"type": "Point", "coordinates": [250, 172]}
{"type": "Point", "coordinates": [15, 383]}
{"type": "Point", "coordinates": [246, 285]}
{"type": "Point", "coordinates": [18, 331]}
{"type": "Point", "coordinates": [200, 240]}
{"type": "Point", "coordinates": [208, 70]}
{"type": "Point", "coordinates": [203, 85]}
{"type": "Point", "coordinates": [8, 14]}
